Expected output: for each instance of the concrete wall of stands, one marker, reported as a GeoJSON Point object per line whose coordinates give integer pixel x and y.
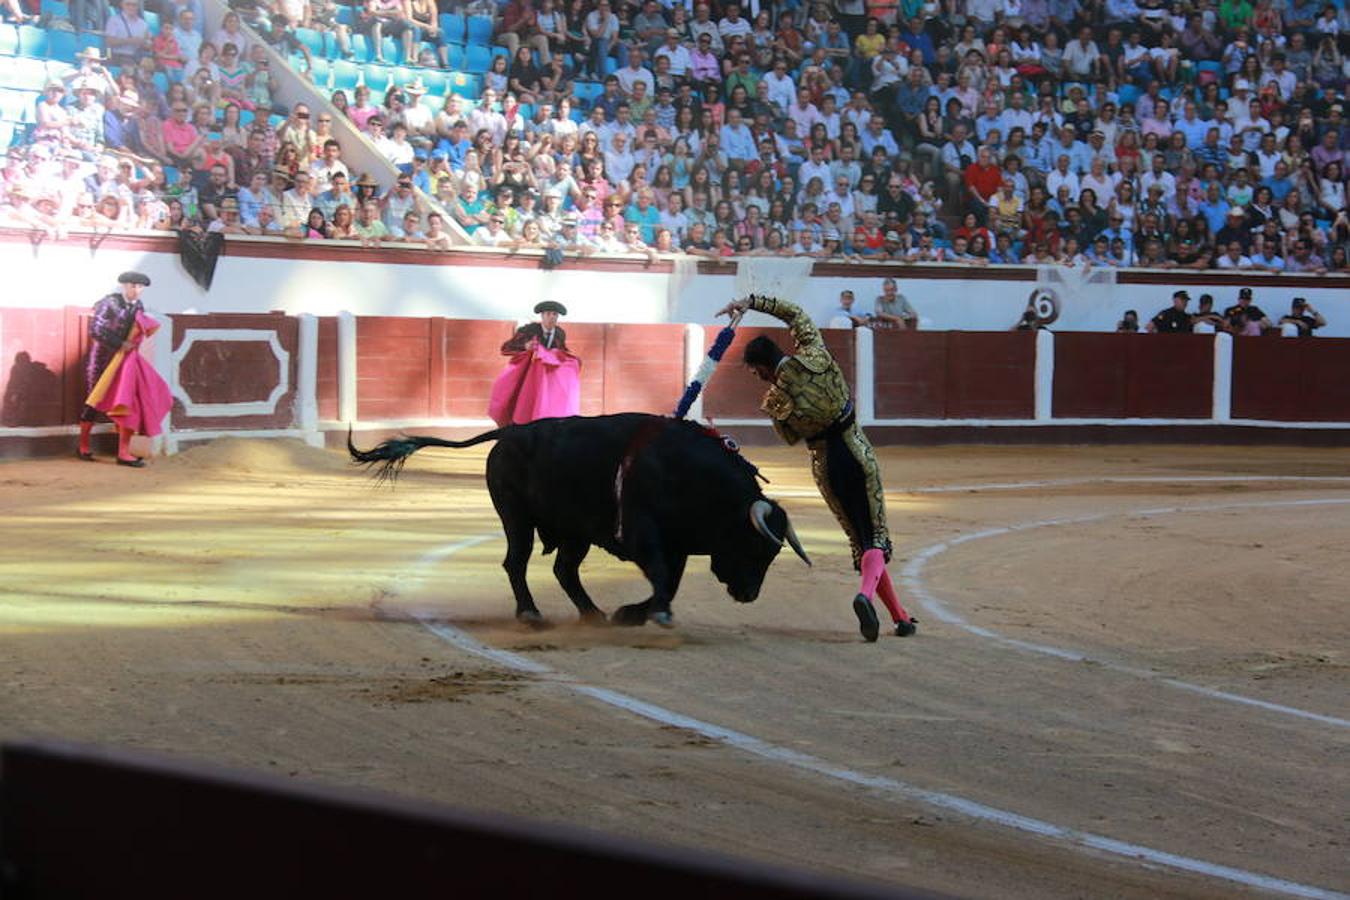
{"type": "Point", "coordinates": [309, 377]}
{"type": "Point", "coordinates": [258, 275]}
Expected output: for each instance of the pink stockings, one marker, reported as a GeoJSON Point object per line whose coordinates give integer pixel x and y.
{"type": "Point", "coordinates": [85, 429]}
{"type": "Point", "coordinates": [124, 444]}
{"type": "Point", "coordinates": [876, 581]}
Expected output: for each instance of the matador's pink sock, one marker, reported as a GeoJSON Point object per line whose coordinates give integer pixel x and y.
{"type": "Point", "coordinates": [886, 591]}
{"type": "Point", "coordinates": [873, 565]}
{"type": "Point", "coordinates": [124, 444]}
{"type": "Point", "coordinates": [85, 429]}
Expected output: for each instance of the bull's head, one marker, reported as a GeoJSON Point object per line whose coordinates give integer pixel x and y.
{"type": "Point", "coordinates": [750, 546]}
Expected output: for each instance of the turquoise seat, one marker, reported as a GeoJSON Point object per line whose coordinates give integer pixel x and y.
{"type": "Point", "coordinates": [477, 58]}
{"type": "Point", "coordinates": [32, 41]}
{"type": "Point", "coordinates": [455, 27]}
{"type": "Point", "coordinates": [479, 30]}
{"type": "Point", "coordinates": [9, 40]}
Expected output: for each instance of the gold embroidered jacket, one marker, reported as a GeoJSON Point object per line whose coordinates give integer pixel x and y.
{"type": "Point", "coordinates": [809, 391]}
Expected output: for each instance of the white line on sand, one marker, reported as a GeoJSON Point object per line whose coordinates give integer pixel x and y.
{"type": "Point", "coordinates": [877, 783]}
{"type": "Point", "coordinates": [912, 579]}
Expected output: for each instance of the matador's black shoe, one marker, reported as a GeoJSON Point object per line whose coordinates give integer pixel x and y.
{"type": "Point", "coordinates": [136, 463]}
{"type": "Point", "coordinates": [906, 629]}
{"type": "Point", "coordinates": [867, 618]}
{"type": "Point", "coordinates": [84, 455]}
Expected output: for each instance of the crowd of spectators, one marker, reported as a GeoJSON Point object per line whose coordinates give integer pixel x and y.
{"type": "Point", "coordinates": [1115, 133]}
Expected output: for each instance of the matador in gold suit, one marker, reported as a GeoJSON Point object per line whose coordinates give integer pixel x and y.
{"type": "Point", "coordinates": [809, 400]}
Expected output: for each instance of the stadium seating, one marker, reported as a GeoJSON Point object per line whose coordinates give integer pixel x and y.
{"type": "Point", "coordinates": [479, 31]}
{"type": "Point", "coordinates": [454, 26]}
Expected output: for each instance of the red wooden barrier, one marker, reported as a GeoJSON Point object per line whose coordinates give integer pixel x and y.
{"type": "Point", "coordinates": [1292, 379]}
{"type": "Point", "coordinates": [393, 367]}
{"type": "Point", "coordinates": [437, 368]}
{"type": "Point", "coordinates": [472, 360]}
{"type": "Point", "coordinates": [735, 392]}
{"type": "Point", "coordinates": [1116, 376]}
{"type": "Point", "coordinates": [326, 387]}
{"type": "Point", "coordinates": [955, 375]}
{"type": "Point", "coordinates": [40, 372]}
{"type": "Point", "coordinates": [644, 368]}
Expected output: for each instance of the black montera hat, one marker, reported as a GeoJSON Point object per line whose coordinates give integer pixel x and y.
{"type": "Point", "coordinates": [133, 278]}
{"type": "Point", "coordinates": [550, 306]}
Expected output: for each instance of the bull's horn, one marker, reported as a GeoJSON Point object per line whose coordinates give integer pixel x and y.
{"type": "Point", "coordinates": [796, 544]}
{"type": "Point", "coordinates": [759, 511]}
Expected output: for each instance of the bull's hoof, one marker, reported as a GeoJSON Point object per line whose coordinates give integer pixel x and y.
{"type": "Point", "coordinates": [629, 616]}
{"type": "Point", "coordinates": [532, 618]}
{"type": "Point", "coordinates": [594, 617]}
{"type": "Point", "coordinates": [905, 629]}
{"type": "Point", "coordinates": [664, 619]}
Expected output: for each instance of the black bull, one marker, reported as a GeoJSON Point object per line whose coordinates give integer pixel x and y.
{"type": "Point", "coordinates": [682, 493]}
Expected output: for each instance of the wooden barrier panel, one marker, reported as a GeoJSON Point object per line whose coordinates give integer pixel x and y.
{"type": "Point", "coordinates": [991, 374]}
{"type": "Point", "coordinates": [1118, 376]}
{"type": "Point", "coordinates": [955, 375]}
{"type": "Point", "coordinates": [238, 370]}
{"type": "Point", "coordinates": [644, 368]}
{"type": "Point", "coordinates": [393, 367]}
{"type": "Point", "coordinates": [735, 392]}
{"type": "Point", "coordinates": [1292, 379]}
{"type": "Point", "coordinates": [326, 387]}
{"type": "Point", "coordinates": [472, 360]}
{"type": "Point", "coordinates": [41, 371]}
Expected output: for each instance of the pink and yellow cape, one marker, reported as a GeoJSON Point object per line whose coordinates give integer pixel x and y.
{"type": "Point", "coordinates": [130, 391]}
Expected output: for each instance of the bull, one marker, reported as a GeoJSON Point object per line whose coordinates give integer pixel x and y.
{"type": "Point", "coordinates": [648, 489]}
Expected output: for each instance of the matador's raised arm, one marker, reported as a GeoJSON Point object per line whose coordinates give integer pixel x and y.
{"type": "Point", "coordinates": [808, 345]}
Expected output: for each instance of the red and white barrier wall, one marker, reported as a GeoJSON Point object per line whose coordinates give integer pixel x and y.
{"type": "Point", "coordinates": [310, 377]}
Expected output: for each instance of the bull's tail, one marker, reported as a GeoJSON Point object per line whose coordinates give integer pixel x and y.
{"type": "Point", "coordinates": [386, 460]}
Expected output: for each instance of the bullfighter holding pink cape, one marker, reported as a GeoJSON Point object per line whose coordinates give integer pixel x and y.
{"type": "Point", "coordinates": [122, 384]}
{"type": "Point", "coordinates": [543, 378]}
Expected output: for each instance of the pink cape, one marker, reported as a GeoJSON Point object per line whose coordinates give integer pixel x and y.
{"type": "Point", "coordinates": [137, 397]}
{"type": "Point", "coordinates": [536, 384]}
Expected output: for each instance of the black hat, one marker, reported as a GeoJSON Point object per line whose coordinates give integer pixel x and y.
{"type": "Point", "coordinates": [1245, 292]}
{"type": "Point", "coordinates": [133, 278]}
{"type": "Point", "coordinates": [550, 306]}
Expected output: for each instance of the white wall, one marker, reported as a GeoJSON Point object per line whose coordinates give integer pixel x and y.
{"type": "Point", "coordinates": [71, 273]}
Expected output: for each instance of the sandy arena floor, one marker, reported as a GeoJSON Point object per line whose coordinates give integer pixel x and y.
{"type": "Point", "coordinates": [1154, 648]}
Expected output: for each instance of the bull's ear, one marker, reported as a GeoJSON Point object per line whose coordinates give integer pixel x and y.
{"type": "Point", "coordinates": [793, 542]}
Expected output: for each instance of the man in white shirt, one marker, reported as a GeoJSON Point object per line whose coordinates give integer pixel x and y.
{"type": "Point", "coordinates": [732, 25]}
{"type": "Point", "coordinates": [782, 89]}
{"type": "Point", "coordinates": [325, 167]}
{"type": "Point", "coordinates": [677, 53]}
{"type": "Point", "coordinates": [634, 72]}
{"type": "Point", "coordinates": [1062, 176]}
{"type": "Point", "coordinates": [1232, 258]}
{"type": "Point", "coordinates": [1081, 57]}
{"type": "Point", "coordinates": [494, 233]}
{"type": "Point", "coordinates": [1017, 115]}
{"type": "Point", "coordinates": [702, 25]}
{"type": "Point", "coordinates": [483, 116]}
{"type": "Point", "coordinates": [815, 167]}
{"type": "Point", "coordinates": [297, 202]}
{"type": "Point", "coordinates": [619, 159]}
{"type": "Point", "coordinates": [1159, 176]}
